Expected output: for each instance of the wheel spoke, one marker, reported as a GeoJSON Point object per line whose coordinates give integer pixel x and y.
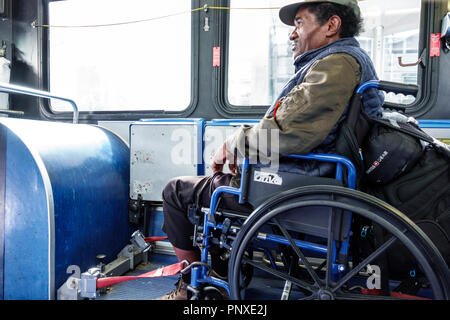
{"type": "Point", "coordinates": [308, 266]}
{"type": "Point", "coordinates": [318, 282]}
{"type": "Point", "coordinates": [286, 290]}
{"type": "Point", "coordinates": [364, 263]}
{"type": "Point", "coordinates": [281, 275]}
{"type": "Point", "coordinates": [329, 249]}
{"type": "Point", "coordinates": [288, 285]}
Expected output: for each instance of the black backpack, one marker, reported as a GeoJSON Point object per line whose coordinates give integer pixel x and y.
{"type": "Point", "coordinates": [422, 194]}
{"type": "Point", "coordinates": [388, 153]}
{"type": "Point", "coordinates": [419, 186]}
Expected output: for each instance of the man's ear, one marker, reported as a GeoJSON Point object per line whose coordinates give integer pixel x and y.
{"type": "Point", "coordinates": [334, 26]}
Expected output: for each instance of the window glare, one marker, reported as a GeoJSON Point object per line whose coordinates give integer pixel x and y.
{"type": "Point", "coordinates": [259, 56]}
{"type": "Point", "coordinates": [138, 66]}
{"type": "Point", "coordinates": [260, 59]}
{"type": "Point", "coordinates": [391, 30]}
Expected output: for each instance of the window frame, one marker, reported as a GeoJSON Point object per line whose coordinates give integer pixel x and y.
{"type": "Point", "coordinates": [429, 23]}
{"type": "Point", "coordinates": [86, 116]}
{"type": "Point", "coordinates": [428, 76]}
{"type": "Point", "coordinates": [220, 86]}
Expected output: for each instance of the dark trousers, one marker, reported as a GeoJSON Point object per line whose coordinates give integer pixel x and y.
{"type": "Point", "coordinates": [181, 192]}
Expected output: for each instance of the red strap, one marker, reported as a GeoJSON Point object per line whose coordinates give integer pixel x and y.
{"type": "Point", "coordinates": [371, 292]}
{"type": "Point", "coordinates": [406, 296]}
{"type": "Point", "coordinates": [171, 270]}
{"type": "Point", "coordinates": [153, 239]}
{"type": "Point", "coordinates": [377, 292]}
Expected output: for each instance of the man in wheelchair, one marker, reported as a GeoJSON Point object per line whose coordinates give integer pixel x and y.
{"type": "Point", "coordinates": [305, 118]}
{"type": "Point", "coordinates": [329, 65]}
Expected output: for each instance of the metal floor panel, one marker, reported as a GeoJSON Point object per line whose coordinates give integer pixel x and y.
{"type": "Point", "coordinates": [263, 285]}
{"type": "Point", "coordinates": [144, 289]}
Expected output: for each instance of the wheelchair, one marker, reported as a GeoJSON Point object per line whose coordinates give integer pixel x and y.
{"type": "Point", "coordinates": [314, 238]}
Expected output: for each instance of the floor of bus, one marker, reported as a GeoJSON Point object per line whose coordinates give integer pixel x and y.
{"type": "Point", "coordinates": [263, 286]}
{"type": "Point", "coordinates": [143, 288]}
{"type": "Point", "coordinates": [151, 288]}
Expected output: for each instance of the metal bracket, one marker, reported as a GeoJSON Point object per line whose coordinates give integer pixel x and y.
{"type": "Point", "coordinates": [82, 286]}
{"type": "Point", "coordinates": [128, 252]}
{"type": "Point", "coordinates": [138, 244]}
{"type": "Point", "coordinates": [88, 283]}
{"type": "Point", "coordinates": [70, 290]}
{"type": "Point", "coordinates": [138, 241]}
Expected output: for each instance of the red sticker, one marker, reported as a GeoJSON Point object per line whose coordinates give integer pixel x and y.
{"type": "Point", "coordinates": [216, 56]}
{"type": "Point", "coordinates": [435, 45]}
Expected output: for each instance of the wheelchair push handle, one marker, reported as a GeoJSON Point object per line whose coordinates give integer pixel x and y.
{"type": "Point", "coordinates": [406, 89]}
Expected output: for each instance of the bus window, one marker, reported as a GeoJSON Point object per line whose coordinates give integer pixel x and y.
{"type": "Point", "coordinates": [260, 59]}
{"type": "Point", "coordinates": [120, 67]}
{"type": "Point", "coordinates": [391, 30]}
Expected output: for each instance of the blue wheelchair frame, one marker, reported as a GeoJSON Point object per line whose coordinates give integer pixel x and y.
{"type": "Point", "coordinates": [199, 274]}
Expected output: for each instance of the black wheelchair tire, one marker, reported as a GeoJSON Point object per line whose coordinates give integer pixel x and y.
{"type": "Point", "coordinates": [357, 202]}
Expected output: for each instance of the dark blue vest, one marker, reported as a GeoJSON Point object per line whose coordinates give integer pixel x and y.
{"type": "Point", "coordinates": [373, 99]}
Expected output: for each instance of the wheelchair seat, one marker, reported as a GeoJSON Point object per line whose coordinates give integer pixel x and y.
{"type": "Point", "coordinates": [264, 183]}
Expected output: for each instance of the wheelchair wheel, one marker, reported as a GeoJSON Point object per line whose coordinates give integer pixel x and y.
{"type": "Point", "coordinates": [320, 269]}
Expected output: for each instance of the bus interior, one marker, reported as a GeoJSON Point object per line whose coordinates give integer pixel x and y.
{"type": "Point", "coordinates": [102, 102]}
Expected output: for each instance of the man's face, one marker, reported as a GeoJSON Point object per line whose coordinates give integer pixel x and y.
{"type": "Point", "coordinates": [308, 33]}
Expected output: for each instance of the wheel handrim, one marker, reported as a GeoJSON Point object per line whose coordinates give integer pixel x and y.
{"type": "Point", "coordinates": [415, 246]}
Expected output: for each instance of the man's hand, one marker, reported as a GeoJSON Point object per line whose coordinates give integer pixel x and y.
{"type": "Point", "coordinates": [221, 156]}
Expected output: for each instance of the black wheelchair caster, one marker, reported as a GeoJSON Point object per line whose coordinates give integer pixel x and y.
{"type": "Point", "coordinates": [206, 293]}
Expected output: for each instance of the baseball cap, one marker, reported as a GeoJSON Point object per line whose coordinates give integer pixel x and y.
{"type": "Point", "coordinates": [288, 12]}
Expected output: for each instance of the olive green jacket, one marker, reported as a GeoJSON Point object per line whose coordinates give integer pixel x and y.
{"type": "Point", "coordinates": [304, 117]}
